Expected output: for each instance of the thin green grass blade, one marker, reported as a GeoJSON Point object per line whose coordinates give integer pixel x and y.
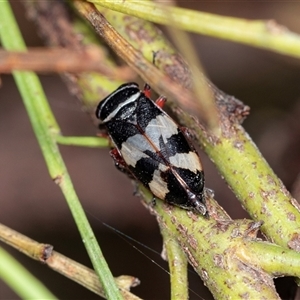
{"type": "Point", "coordinates": [46, 130]}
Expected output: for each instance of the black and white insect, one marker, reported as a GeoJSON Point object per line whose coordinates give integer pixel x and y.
{"type": "Point", "coordinates": [151, 146]}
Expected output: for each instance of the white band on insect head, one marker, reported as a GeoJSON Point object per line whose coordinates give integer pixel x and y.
{"type": "Point", "coordinates": [131, 99]}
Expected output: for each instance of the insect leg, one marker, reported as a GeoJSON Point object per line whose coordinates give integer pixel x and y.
{"type": "Point", "coordinates": [147, 90]}
{"type": "Point", "coordinates": [160, 101]}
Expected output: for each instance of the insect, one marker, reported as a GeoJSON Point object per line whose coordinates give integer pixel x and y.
{"type": "Point", "coordinates": [152, 148]}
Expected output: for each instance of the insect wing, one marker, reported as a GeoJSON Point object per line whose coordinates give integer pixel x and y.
{"type": "Point", "coordinates": [142, 160]}
{"type": "Point", "coordinates": [166, 138]}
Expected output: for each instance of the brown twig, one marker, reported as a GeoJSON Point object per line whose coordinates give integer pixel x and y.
{"type": "Point", "coordinates": [62, 264]}
{"type": "Point", "coordinates": [147, 70]}
{"type": "Point", "coordinates": [60, 28]}
{"type": "Point", "coordinates": [62, 60]}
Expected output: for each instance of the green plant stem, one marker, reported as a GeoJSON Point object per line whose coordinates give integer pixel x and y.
{"type": "Point", "coordinates": [45, 127]}
{"type": "Point", "coordinates": [255, 184]}
{"type": "Point", "coordinates": [274, 260]}
{"type": "Point", "coordinates": [20, 280]}
{"type": "Point", "coordinates": [261, 34]}
{"type": "Point", "coordinates": [177, 261]}
{"type": "Point", "coordinates": [214, 250]}
{"type": "Point", "coordinates": [84, 141]}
